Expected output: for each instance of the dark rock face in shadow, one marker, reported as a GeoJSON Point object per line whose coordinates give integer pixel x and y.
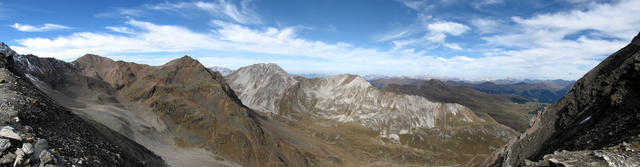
{"type": "Point", "coordinates": [601, 110]}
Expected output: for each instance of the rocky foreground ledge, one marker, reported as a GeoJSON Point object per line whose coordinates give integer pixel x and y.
{"type": "Point", "coordinates": [22, 148]}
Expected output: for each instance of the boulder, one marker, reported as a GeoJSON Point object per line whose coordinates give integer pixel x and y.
{"type": "Point", "coordinates": [27, 148]}
{"type": "Point", "coordinates": [9, 133]}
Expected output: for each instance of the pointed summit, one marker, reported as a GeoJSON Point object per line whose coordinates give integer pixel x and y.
{"type": "Point", "coordinates": [90, 56]}
{"type": "Point", "coordinates": [6, 50]}
{"type": "Point", "coordinates": [185, 61]}
{"type": "Point", "coordinates": [269, 83]}
{"type": "Point", "coordinates": [636, 40]}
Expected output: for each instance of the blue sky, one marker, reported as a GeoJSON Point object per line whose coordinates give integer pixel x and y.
{"type": "Point", "coordinates": [454, 38]}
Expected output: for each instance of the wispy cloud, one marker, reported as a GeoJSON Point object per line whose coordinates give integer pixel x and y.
{"type": "Point", "coordinates": [119, 12]}
{"type": "Point", "coordinates": [45, 27]}
{"type": "Point", "coordinates": [222, 9]}
{"type": "Point", "coordinates": [485, 25]}
{"type": "Point", "coordinates": [481, 4]}
{"type": "Point", "coordinates": [435, 36]}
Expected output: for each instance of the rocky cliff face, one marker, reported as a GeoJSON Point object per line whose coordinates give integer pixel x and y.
{"type": "Point", "coordinates": [39, 125]}
{"type": "Point", "coordinates": [350, 99]}
{"type": "Point", "coordinates": [600, 111]}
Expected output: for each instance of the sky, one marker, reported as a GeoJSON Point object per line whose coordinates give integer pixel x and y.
{"type": "Point", "coordinates": [557, 39]}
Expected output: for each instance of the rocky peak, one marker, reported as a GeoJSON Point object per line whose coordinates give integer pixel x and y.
{"type": "Point", "coordinates": [6, 50]}
{"type": "Point", "coordinates": [348, 81]}
{"type": "Point", "coordinates": [185, 61]}
{"type": "Point", "coordinates": [92, 58]}
{"type": "Point", "coordinates": [265, 69]}
{"type": "Point", "coordinates": [267, 84]}
{"type": "Point", "coordinates": [636, 40]}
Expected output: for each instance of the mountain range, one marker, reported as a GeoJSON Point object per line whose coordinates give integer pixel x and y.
{"type": "Point", "coordinates": [349, 101]}
{"type": "Point", "coordinates": [224, 71]}
{"type": "Point", "coordinates": [96, 111]}
{"type": "Point", "coordinates": [508, 109]}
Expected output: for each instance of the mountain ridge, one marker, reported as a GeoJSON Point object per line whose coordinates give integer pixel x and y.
{"type": "Point", "coordinates": [341, 102]}
{"type": "Point", "coordinates": [600, 112]}
{"type": "Point", "coordinates": [510, 110]}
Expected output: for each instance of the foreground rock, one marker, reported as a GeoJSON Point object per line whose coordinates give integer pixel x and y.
{"type": "Point", "coordinates": [600, 111]}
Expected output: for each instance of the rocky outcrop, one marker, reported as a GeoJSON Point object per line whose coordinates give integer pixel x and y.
{"type": "Point", "coordinates": [601, 110]}
{"type": "Point", "coordinates": [41, 126]}
{"type": "Point", "coordinates": [622, 155]}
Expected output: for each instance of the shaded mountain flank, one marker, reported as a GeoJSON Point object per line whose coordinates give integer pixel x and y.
{"type": "Point", "coordinates": [546, 91]}
{"type": "Point", "coordinates": [596, 124]}
{"type": "Point", "coordinates": [511, 110]}
{"type": "Point", "coordinates": [376, 128]}
{"type": "Point", "coordinates": [42, 132]}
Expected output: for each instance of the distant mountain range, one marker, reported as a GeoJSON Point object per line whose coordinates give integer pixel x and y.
{"type": "Point", "coordinates": [559, 82]}
{"type": "Point", "coordinates": [545, 91]}
{"type": "Point", "coordinates": [224, 71]}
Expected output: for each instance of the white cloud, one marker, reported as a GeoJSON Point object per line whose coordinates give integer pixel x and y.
{"type": "Point", "coordinates": [435, 35]}
{"type": "Point", "coordinates": [546, 41]}
{"type": "Point", "coordinates": [222, 9]}
{"type": "Point", "coordinates": [612, 20]}
{"type": "Point", "coordinates": [45, 27]}
{"type": "Point", "coordinates": [448, 27]}
{"type": "Point", "coordinates": [535, 47]}
{"type": "Point", "coordinates": [120, 29]}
